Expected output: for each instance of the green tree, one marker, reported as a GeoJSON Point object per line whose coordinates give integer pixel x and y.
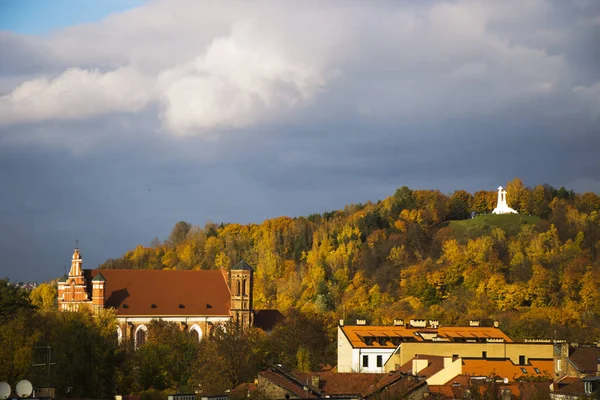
{"type": "Point", "coordinates": [12, 299]}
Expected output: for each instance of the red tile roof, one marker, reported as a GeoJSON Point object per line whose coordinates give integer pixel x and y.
{"type": "Point", "coordinates": [165, 293]}
{"type": "Point", "coordinates": [341, 383]}
{"type": "Point", "coordinates": [505, 368]}
{"type": "Point", "coordinates": [585, 358]}
{"type": "Point", "coordinates": [434, 365]}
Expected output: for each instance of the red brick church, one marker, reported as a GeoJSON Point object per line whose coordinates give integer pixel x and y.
{"type": "Point", "coordinates": [197, 300]}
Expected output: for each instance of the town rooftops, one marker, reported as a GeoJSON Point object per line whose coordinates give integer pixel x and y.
{"type": "Point", "coordinates": [366, 336]}
{"type": "Point", "coordinates": [164, 293]}
{"type": "Point", "coordinates": [310, 385]}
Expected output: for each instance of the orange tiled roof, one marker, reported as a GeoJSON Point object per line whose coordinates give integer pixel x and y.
{"type": "Point", "coordinates": [163, 293]}
{"type": "Point", "coordinates": [506, 368]}
{"type": "Point", "coordinates": [357, 333]}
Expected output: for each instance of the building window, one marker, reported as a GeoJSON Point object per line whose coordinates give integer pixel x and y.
{"type": "Point", "coordinates": [244, 287]}
{"type": "Point", "coordinates": [365, 363]}
{"type": "Point", "coordinates": [140, 336]}
{"type": "Point", "coordinates": [537, 371]}
{"type": "Point", "coordinates": [484, 354]}
{"type": "Point", "coordinates": [379, 361]}
{"type": "Point", "coordinates": [454, 355]}
{"type": "Point", "coordinates": [523, 370]}
{"type": "Point", "coordinates": [521, 360]}
{"type": "Point", "coordinates": [559, 365]}
{"type": "Point", "coordinates": [588, 387]}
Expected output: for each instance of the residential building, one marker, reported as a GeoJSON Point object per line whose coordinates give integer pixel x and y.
{"type": "Point", "coordinates": [377, 349]}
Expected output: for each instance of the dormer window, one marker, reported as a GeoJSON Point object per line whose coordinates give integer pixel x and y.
{"type": "Point", "coordinates": [537, 371]}
{"type": "Point", "coordinates": [153, 306]}
{"type": "Point", "coordinates": [368, 340]}
{"type": "Point", "coordinates": [181, 306]}
{"type": "Point", "coordinates": [125, 306]}
{"type": "Point", "coordinates": [382, 340]}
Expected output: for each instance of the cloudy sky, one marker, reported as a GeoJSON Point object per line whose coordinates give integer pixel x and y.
{"type": "Point", "coordinates": [120, 118]}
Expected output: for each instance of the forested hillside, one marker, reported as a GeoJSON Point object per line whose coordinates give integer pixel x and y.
{"type": "Point", "coordinates": [416, 254]}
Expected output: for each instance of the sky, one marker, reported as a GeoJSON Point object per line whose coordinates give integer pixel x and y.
{"type": "Point", "coordinates": [120, 118]}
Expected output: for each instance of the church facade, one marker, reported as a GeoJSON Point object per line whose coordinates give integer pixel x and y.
{"type": "Point", "coordinates": [196, 300]}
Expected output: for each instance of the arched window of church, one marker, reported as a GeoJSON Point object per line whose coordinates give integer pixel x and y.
{"type": "Point", "coordinates": [238, 288]}
{"type": "Point", "coordinates": [140, 335]}
{"type": "Point", "coordinates": [244, 287]}
{"type": "Point", "coordinates": [119, 334]}
{"type": "Point", "coordinates": [196, 332]}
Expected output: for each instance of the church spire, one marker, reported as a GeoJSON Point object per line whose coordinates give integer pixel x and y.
{"type": "Point", "coordinates": [76, 262]}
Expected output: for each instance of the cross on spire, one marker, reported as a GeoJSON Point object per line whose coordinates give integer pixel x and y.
{"type": "Point", "coordinates": [77, 243]}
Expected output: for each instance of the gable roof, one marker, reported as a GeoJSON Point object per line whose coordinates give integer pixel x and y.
{"type": "Point", "coordinates": [137, 292]}
{"type": "Point", "coordinates": [585, 358]}
{"type": "Point", "coordinates": [356, 335]}
{"type": "Point", "coordinates": [434, 365]}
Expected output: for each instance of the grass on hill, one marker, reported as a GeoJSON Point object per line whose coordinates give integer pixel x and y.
{"type": "Point", "coordinates": [484, 224]}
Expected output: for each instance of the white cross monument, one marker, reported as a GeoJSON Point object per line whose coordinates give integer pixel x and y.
{"type": "Point", "coordinates": [502, 207]}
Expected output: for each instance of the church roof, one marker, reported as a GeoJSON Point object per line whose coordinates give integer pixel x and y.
{"type": "Point", "coordinates": [241, 266]}
{"type": "Point", "coordinates": [134, 292]}
{"type": "Point", "coordinates": [63, 278]}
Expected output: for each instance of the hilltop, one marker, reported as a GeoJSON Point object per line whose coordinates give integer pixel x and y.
{"type": "Point", "coordinates": [481, 225]}
{"type": "Point", "coordinates": [416, 254]}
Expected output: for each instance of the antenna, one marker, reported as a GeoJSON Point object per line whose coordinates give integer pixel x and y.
{"type": "Point", "coordinates": [24, 388]}
{"type": "Point", "coordinates": [4, 390]}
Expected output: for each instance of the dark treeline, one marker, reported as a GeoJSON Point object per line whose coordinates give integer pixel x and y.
{"type": "Point", "coordinates": [78, 353]}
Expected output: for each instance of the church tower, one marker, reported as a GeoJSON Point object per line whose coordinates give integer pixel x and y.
{"type": "Point", "coordinates": [72, 288]}
{"type": "Point", "coordinates": [98, 290]}
{"type": "Point", "coordinates": [241, 276]}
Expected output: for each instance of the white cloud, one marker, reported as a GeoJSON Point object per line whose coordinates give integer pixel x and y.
{"type": "Point", "coordinates": [76, 94]}
{"type": "Point", "coordinates": [239, 80]}
{"type": "Point", "coordinates": [210, 65]}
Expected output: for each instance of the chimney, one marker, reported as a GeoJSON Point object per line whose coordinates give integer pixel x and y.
{"type": "Point", "coordinates": [419, 365]}
{"type": "Point", "coordinates": [474, 323]}
{"type": "Point", "coordinates": [398, 322]}
{"type": "Point", "coordinates": [496, 324]}
{"type": "Point", "coordinates": [341, 322]}
{"type": "Point", "coordinates": [434, 323]}
{"type": "Point", "coordinates": [314, 381]}
{"type": "Point", "coordinates": [361, 322]}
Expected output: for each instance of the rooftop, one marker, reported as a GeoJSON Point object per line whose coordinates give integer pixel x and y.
{"type": "Point", "coordinates": [366, 336]}
{"type": "Point", "coordinates": [164, 293]}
